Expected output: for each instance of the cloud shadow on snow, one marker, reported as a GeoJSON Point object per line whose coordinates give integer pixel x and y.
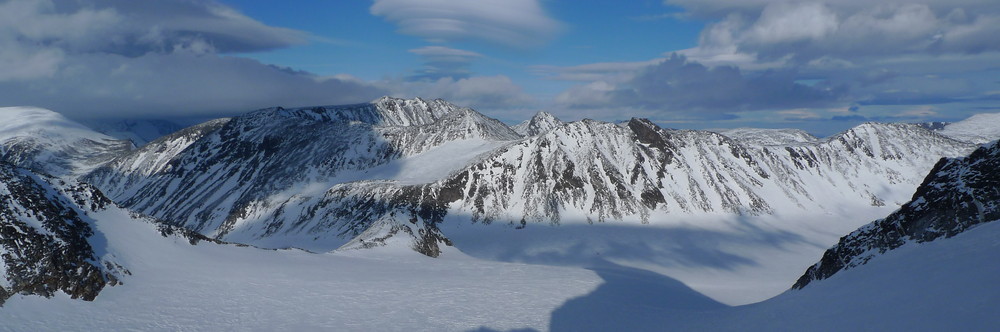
{"type": "Point", "coordinates": [594, 245]}
{"type": "Point", "coordinates": [630, 299]}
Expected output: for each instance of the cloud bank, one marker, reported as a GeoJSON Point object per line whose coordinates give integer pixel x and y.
{"type": "Point", "coordinates": [139, 59]}
{"type": "Point", "coordinates": [806, 60]}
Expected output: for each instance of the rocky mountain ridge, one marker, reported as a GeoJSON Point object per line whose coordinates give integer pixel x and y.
{"type": "Point", "coordinates": [957, 194]}
{"type": "Point", "coordinates": [320, 177]}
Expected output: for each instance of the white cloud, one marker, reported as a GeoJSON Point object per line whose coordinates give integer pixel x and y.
{"type": "Point", "coordinates": [793, 22]}
{"type": "Point", "coordinates": [804, 31]}
{"type": "Point", "coordinates": [519, 23]}
{"type": "Point", "coordinates": [151, 59]}
{"type": "Point", "coordinates": [441, 51]}
{"type": "Point", "coordinates": [441, 62]}
{"type": "Point", "coordinates": [679, 85]}
{"type": "Point", "coordinates": [602, 71]}
{"type": "Point", "coordinates": [177, 85]}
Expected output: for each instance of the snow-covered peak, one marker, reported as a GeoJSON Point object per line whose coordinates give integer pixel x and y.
{"type": "Point", "coordinates": [769, 137]}
{"type": "Point", "coordinates": [978, 129]}
{"type": "Point", "coordinates": [538, 124]}
{"type": "Point", "coordinates": [382, 112]}
{"type": "Point", "coordinates": [47, 141]}
{"type": "Point", "coordinates": [412, 112]}
{"type": "Point", "coordinates": [43, 123]}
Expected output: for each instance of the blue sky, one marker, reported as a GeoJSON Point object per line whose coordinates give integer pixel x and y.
{"type": "Point", "coordinates": [822, 66]}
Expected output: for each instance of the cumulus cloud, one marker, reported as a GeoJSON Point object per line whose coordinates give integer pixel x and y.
{"type": "Point", "coordinates": [518, 23]}
{"type": "Point", "coordinates": [89, 58]}
{"type": "Point", "coordinates": [177, 85]}
{"type": "Point", "coordinates": [804, 31]}
{"type": "Point", "coordinates": [441, 62]}
{"type": "Point", "coordinates": [795, 60]}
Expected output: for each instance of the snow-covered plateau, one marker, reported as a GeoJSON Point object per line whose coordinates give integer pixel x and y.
{"type": "Point", "coordinates": [410, 214]}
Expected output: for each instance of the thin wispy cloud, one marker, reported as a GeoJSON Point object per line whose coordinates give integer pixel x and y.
{"type": "Point", "coordinates": [441, 62]}
{"type": "Point", "coordinates": [516, 23]}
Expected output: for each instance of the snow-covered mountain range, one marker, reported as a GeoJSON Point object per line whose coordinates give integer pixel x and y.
{"type": "Point", "coordinates": [319, 177]}
{"type": "Point", "coordinates": [709, 208]}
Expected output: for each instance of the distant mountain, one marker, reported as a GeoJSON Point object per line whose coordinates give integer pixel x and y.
{"type": "Point", "coordinates": [261, 175]}
{"type": "Point", "coordinates": [538, 124]}
{"type": "Point", "coordinates": [978, 129]}
{"type": "Point", "coordinates": [139, 132]}
{"type": "Point", "coordinates": [765, 137]}
{"type": "Point", "coordinates": [933, 126]}
{"type": "Point", "coordinates": [325, 177]}
{"type": "Point", "coordinates": [957, 194]}
{"type": "Point", "coordinates": [47, 142]}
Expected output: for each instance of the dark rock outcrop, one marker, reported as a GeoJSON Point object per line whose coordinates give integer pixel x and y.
{"type": "Point", "coordinates": [958, 194]}
{"type": "Point", "coordinates": [44, 238]}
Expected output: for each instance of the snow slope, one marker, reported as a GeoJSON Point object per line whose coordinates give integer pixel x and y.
{"type": "Point", "coordinates": [46, 141]}
{"type": "Point", "coordinates": [174, 285]}
{"type": "Point", "coordinates": [325, 177]}
{"type": "Point", "coordinates": [945, 285]}
{"type": "Point", "coordinates": [958, 194]}
{"type": "Point", "coordinates": [978, 129]}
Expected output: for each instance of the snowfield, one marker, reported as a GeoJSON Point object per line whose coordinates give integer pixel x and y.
{"type": "Point", "coordinates": [211, 287]}
{"type": "Point", "coordinates": [176, 286]}
{"type": "Point", "coordinates": [578, 226]}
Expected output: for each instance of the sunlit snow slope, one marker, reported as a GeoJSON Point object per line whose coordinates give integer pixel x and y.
{"type": "Point", "coordinates": [707, 209]}
{"type": "Point", "coordinates": [171, 284]}
{"type": "Point", "coordinates": [48, 142]}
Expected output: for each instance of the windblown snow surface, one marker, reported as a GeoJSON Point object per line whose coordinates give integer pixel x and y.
{"type": "Point", "coordinates": [979, 128]}
{"type": "Point", "coordinates": [212, 287]}
{"type": "Point", "coordinates": [680, 272]}
{"type": "Point", "coordinates": [940, 285]}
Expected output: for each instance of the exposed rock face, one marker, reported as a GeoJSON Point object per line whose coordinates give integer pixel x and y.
{"type": "Point", "coordinates": [957, 194]}
{"type": "Point", "coordinates": [45, 238]}
{"type": "Point", "coordinates": [252, 174]}
{"type": "Point", "coordinates": [642, 172]}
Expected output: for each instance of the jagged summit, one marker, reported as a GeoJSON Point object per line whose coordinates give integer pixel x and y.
{"type": "Point", "coordinates": [385, 111]}
{"type": "Point", "coordinates": [539, 123]}
{"type": "Point", "coordinates": [271, 168]}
